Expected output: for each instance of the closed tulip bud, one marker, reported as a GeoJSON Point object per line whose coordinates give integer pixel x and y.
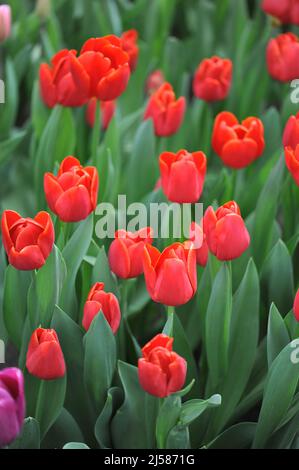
{"type": "Point", "coordinates": [44, 356]}
{"type": "Point", "coordinates": [296, 306]}
{"type": "Point", "coordinates": [212, 80]}
{"type": "Point", "coordinates": [5, 22]}
{"type": "Point", "coordinates": [225, 231]}
{"type": "Point", "coordinates": [292, 162]}
{"type": "Point", "coordinates": [100, 301]}
{"type": "Point", "coordinates": [126, 252]}
{"type": "Point", "coordinates": [154, 81]}
{"type": "Point", "coordinates": [107, 112]}
{"type": "Point", "coordinates": [183, 175]}
{"type": "Point", "coordinates": [102, 69]}
{"type": "Point", "coordinates": [170, 276]}
{"type": "Point", "coordinates": [12, 405]}
{"type": "Point", "coordinates": [198, 238]}
{"type": "Point", "coordinates": [166, 112]}
{"type": "Point", "coordinates": [72, 195]}
{"type": "Point", "coordinates": [43, 8]}
{"type": "Point", "coordinates": [161, 371]}
{"type": "Point", "coordinates": [283, 57]}
{"type": "Point", "coordinates": [291, 132]}
{"type": "Point", "coordinates": [129, 44]}
{"type": "Point", "coordinates": [286, 11]}
{"type": "Point", "coordinates": [56, 82]}
{"type": "Point", "coordinates": [238, 144]}
{"type": "Point", "coordinates": [27, 242]}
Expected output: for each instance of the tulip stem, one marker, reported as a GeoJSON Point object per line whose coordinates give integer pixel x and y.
{"type": "Point", "coordinates": [95, 134]}
{"type": "Point", "coordinates": [38, 409]}
{"type": "Point", "coordinates": [170, 315]}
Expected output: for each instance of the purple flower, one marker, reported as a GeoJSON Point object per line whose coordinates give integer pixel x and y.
{"type": "Point", "coordinates": [12, 405]}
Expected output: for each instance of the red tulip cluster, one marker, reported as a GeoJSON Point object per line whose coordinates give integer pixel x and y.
{"type": "Point", "coordinates": [283, 57]}
{"type": "Point", "coordinates": [101, 71]}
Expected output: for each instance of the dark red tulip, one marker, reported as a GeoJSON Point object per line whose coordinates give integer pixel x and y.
{"type": "Point", "coordinates": [198, 238]}
{"type": "Point", "coordinates": [212, 80]}
{"type": "Point", "coordinates": [225, 231]}
{"type": "Point", "coordinates": [129, 43]}
{"type": "Point", "coordinates": [100, 301]}
{"type": "Point", "coordinates": [283, 57]}
{"type": "Point", "coordinates": [238, 144]}
{"type": "Point", "coordinates": [183, 175]}
{"type": "Point", "coordinates": [107, 112]}
{"type": "Point", "coordinates": [126, 252]}
{"type": "Point", "coordinates": [27, 242]}
{"type": "Point", "coordinates": [166, 112]}
{"type": "Point", "coordinates": [102, 70]}
{"type": "Point", "coordinates": [44, 357]}
{"type": "Point", "coordinates": [73, 193]}
{"type": "Point", "coordinates": [170, 276]}
{"type": "Point", "coordinates": [161, 371]}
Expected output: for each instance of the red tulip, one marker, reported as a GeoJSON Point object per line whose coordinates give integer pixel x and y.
{"type": "Point", "coordinates": [154, 81]}
{"type": "Point", "coordinates": [292, 162]}
{"type": "Point", "coordinates": [283, 57]}
{"type": "Point", "coordinates": [27, 242]}
{"type": "Point", "coordinates": [291, 132]}
{"type": "Point", "coordinates": [126, 252]}
{"type": "Point", "coordinates": [225, 231]}
{"type": "Point", "coordinates": [129, 44]}
{"type": "Point", "coordinates": [212, 80]}
{"type": "Point", "coordinates": [44, 357]}
{"type": "Point", "coordinates": [57, 85]}
{"type": "Point", "coordinates": [198, 238]}
{"type": "Point", "coordinates": [102, 70]}
{"type": "Point", "coordinates": [296, 306]}
{"type": "Point", "coordinates": [73, 193]}
{"type": "Point", "coordinates": [238, 145]}
{"type": "Point", "coordinates": [286, 11]}
{"type": "Point", "coordinates": [166, 112]}
{"type": "Point", "coordinates": [183, 175]}
{"type": "Point", "coordinates": [161, 371]}
{"type": "Point", "coordinates": [107, 112]}
{"type": "Point", "coordinates": [170, 276]}
{"type": "Point", "coordinates": [100, 301]}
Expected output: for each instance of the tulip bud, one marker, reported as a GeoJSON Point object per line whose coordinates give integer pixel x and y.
{"type": "Point", "coordinates": [225, 231]}
{"type": "Point", "coordinates": [5, 22]}
{"type": "Point", "coordinates": [100, 301]}
{"type": "Point", "coordinates": [198, 238]}
{"type": "Point", "coordinates": [291, 132]}
{"type": "Point", "coordinates": [43, 9]}
{"type": "Point", "coordinates": [12, 405]}
{"type": "Point", "coordinates": [183, 175]}
{"type": "Point", "coordinates": [238, 144]}
{"type": "Point", "coordinates": [129, 44]}
{"type": "Point", "coordinates": [161, 371]}
{"type": "Point", "coordinates": [73, 193]}
{"type": "Point", "coordinates": [170, 276]}
{"type": "Point", "coordinates": [107, 112]}
{"type": "Point", "coordinates": [212, 80]}
{"type": "Point", "coordinates": [166, 112]}
{"type": "Point", "coordinates": [27, 242]}
{"type": "Point", "coordinates": [283, 57]}
{"type": "Point", "coordinates": [44, 356]}
{"type": "Point", "coordinates": [292, 162]}
{"type": "Point", "coordinates": [296, 306]}
{"type": "Point", "coordinates": [126, 252]}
